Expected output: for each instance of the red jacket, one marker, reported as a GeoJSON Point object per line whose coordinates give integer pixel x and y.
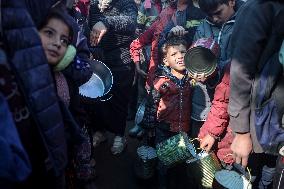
{"type": "Point", "coordinates": [218, 119]}
{"type": "Point", "coordinates": [174, 106]}
{"type": "Point", "coordinates": [151, 36]}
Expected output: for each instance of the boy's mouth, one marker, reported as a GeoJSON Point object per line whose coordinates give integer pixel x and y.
{"type": "Point", "coordinates": [180, 63]}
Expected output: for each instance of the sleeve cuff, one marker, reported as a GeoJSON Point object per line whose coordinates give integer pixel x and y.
{"type": "Point", "coordinates": [105, 22]}
{"type": "Point", "coordinates": [238, 125]}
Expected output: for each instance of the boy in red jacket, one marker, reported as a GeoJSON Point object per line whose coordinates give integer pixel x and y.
{"type": "Point", "coordinates": [168, 109]}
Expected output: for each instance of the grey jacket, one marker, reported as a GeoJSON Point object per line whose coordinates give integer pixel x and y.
{"type": "Point", "coordinates": [247, 49]}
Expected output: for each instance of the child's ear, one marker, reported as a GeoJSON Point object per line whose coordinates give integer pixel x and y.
{"type": "Point", "coordinates": [165, 61]}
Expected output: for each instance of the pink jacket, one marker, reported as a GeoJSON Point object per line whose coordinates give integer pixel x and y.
{"type": "Point", "coordinates": [218, 119]}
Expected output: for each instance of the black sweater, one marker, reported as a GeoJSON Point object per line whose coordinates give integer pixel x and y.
{"type": "Point", "coordinates": [120, 19]}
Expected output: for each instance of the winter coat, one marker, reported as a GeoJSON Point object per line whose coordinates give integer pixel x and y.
{"type": "Point", "coordinates": [217, 121]}
{"type": "Point", "coordinates": [170, 107]}
{"type": "Point", "coordinates": [260, 18]}
{"type": "Point", "coordinates": [120, 19]}
{"type": "Point", "coordinates": [14, 161]}
{"type": "Point", "coordinates": [28, 61]}
{"type": "Point", "coordinates": [151, 37]}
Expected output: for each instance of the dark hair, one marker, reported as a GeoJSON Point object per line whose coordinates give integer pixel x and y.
{"type": "Point", "coordinates": [211, 5]}
{"type": "Point", "coordinates": [59, 13]}
{"type": "Point", "coordinates": [172, 41]}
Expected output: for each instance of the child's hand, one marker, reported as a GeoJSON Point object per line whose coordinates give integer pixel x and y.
{"type": "Point", "coordinates": [199, 77]}
{"type": "Point", "coordinates": [178, 31]}
{"type": "Point", "coordinates": [207, 142]}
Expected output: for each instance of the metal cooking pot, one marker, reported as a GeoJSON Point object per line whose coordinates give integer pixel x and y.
{"type": "Point", "coordinates": [204, 168]}
{"type": "Point", "coordinates": [99, 84]}
{"type": "Point", "coordinates": [202, 57]}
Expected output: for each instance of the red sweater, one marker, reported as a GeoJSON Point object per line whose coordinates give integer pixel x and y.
{"type": "Point", "coordinates": [218, 119]}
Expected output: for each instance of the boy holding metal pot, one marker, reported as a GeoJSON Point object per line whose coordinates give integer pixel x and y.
{"type": "Point", "coordinates": [168, 109]}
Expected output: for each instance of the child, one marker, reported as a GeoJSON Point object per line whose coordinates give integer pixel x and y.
{"type": "Point", "coordinates": [189, 17]}
{"type": "Point", "coordinates": [171, 94]}
{"type": "Point", "coordinates": [56, 34]}
{"type": "Point", "coordinates": [147, 13]}
{"type": "Point", "coordinates": [218, 26]}
{"type": "Point", "coordinates": [215, 130]}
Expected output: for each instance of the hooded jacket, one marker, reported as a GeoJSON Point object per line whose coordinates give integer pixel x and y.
{"type": "Point", "coordinates": [170, 107]}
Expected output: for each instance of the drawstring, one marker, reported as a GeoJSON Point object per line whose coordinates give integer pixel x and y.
{"type": "Point", "coordinates": [280, 179]}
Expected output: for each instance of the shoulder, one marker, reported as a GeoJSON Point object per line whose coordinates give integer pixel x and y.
{"type": "Point", "coordinates": [195, 13]}
{"type": "Point", "coordinates": [167, 11]}
{"type": "Point", "coordinates": [204, 28]}
{"type": "Point", "coordinates": [161, 82]}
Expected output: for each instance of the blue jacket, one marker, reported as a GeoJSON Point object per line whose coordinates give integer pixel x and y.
{"type": "Point", "coordinates": [14, 162]}
{"type": "Point", "coordinates": [27, 59]}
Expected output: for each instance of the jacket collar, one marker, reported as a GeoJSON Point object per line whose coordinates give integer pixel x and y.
{"type": "Point", "coordinates": [164, 71]}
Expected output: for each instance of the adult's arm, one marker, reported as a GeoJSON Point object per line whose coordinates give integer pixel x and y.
{"type": "Point", "coordinates": [144, 39]}
{"type": "Point", "coordinates": [248, 41]}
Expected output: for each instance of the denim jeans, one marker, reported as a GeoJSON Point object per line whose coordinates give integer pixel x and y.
{"type": "Point", "coordinates": [278, 181]}
{"type": "Point", "coordinates": [263, 169]}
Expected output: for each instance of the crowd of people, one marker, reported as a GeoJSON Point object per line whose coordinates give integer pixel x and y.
{"type": "Point", "coordinates": [48, 131]}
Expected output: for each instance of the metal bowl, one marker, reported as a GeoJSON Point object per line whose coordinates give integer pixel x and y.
{"type": "Point", "coordinates": [99, 84]}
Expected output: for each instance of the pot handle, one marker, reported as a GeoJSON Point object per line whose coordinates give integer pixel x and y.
{"type": "Point", "coordinates": [106, 98]}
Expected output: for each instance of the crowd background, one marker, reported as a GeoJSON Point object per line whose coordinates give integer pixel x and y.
{"type": "Point", "coordinates": [49, 132]}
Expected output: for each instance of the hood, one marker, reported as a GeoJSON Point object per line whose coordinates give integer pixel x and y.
{"type": "Point", "coordinates": [39, 9]}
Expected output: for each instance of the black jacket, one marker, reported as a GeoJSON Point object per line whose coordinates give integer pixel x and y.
{"type": "Point", "coordinates": [120, 20]}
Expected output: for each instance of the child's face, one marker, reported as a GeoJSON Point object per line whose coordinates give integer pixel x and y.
{"type": "Point", "coordinates": [174, 58]}
{"type": "Point", "coordinates": [55, 39]}
{"type": "Point", "coordinates": [223, 13]}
